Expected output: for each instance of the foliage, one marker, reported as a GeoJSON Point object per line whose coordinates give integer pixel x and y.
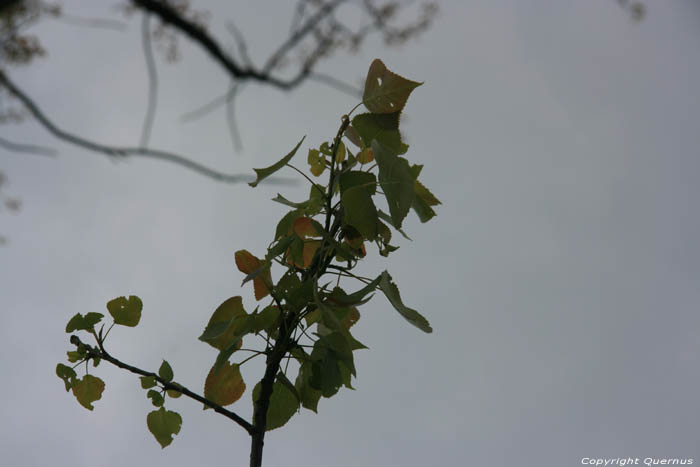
{"type": "Point", "coordinates": [304, 319]}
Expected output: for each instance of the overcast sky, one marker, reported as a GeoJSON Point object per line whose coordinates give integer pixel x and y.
{"type": "Point", "coordinates": [560, 275]}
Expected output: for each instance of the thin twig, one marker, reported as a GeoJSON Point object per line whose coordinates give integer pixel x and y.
{"type": "Point", "coordinates": [240, 43]}
{"type": "Point", "coordinates": [152, 80]}
{"type": "Point", "coordinates": [298, 15]}
{"type": "Point", "coordinates": [231, 118]}
{"type": "Point", "coordinates": [221, 100]}
{"type": "Point", "coordinates": [298, 35]}
{"type": "Point", "coordinates": [204, 109]}
{"type": "Point", "coordinates": [101, 23]}
{"type": "Point", "coordinates": [336, 84]}
{"type": "Point", "coordinates": [196, 33]}
{"type": "Point", "coordinates": [28, 148]}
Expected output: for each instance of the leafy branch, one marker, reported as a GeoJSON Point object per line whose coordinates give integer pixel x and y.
{"type": "Point", "coordinates": [304, 319]}
{"type": "Point", "coordinates": [100, 353]}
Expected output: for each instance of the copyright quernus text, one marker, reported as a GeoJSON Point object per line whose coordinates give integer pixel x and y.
{"type": "Point", "coordinates": [622, 461]}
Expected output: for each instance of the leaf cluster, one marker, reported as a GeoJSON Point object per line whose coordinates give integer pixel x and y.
{"type": "Point", "coordinates": [306, 312]}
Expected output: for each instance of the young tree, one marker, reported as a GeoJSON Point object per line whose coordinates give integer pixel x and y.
{"type": "Point", "coordinates": [305, 320]}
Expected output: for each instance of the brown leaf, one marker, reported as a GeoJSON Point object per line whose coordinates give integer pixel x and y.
{"type": "Point", "coordinates": [247, 263]}
{"type": "Point", "coordinates": [226, 386]}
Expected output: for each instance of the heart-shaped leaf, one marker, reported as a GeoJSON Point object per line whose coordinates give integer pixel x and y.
{"type": "Point", "coordinates": [164, 424]}
{"type": "Point", "coordinates": [385, 91]}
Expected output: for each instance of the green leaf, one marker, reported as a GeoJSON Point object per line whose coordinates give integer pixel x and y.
{"type": "Point", "coordinates": [126, 311]}
{"type": "Point", "coordinates": [148, 382]}
{"type": "Point", "coordinates": [267, 171]}
{"type": "Point", "coordinates": [383, 232]}
{"type": "Point", "coordinates": [392, 293]}
{"type": "Point", "coordinates": [325, 148]}
{"type": "Point", "coordinates": [84, 323]}
{"type": "Point", "coordinates": [340, 152]}
{"type": "Point", "coordinates": [308, 395]}
{"type": "Point", "coordinates": [282, 200]}
{"type": "Point", "coordinates": [283, 405]}
{"type": "Point", "coordinates": [156, 397]}
{"type": "Point", "coordinates": [282, 378]}
{"type": "Point", "coordinates": [381, 127]}
{"type": "Point", "coordinates": [300, 296]}
{"type": "Point", "coordinates": [226, 353]}
{"type": "Point", "coordinates": [340, 249]}
{"type": "Point", "coordinates": [352, 135]}
{"type": "Point", "coordinates": [340, 346]}
{"type": "Point", "coordinates": [387, 249]}
{"type": "Point", "coordinates": [279, 248]}
{"type": "Point", "coordinates": [346, 375]}
{"type": "Point", "coordinates": [266, 318]}
{"type": "Point", "coordinates": [423, 201]}
{"type": "Point", "coordinates": [174, 393]}
{"type": "Point", "coordinates": [360, 211]}
{"type": "Point", "coordinates": [165, 371]}
{"type": "Point", "coordinates": [356, 298]}
{"type": "Point", "coordinates": [325, 374]}
{"type": "Point", "coordinates": [424, 212]}
{"type": "Point", "coordinates": [75, 356]}
{"type": "Point", "coordinates": [88, 390]}
{"type": "Point", "coordinates": [224, 385]}
{"type": "Point", "coordinates": [316, 161]}
{"type": "Point", "coordinates": [385, 91]}
{"type": "Point", "coordinates": [164, 424]}
{"type": "Point", "coordinates": [384, 216]}
{"type": "Point", "coordinates": [426, 195]}
{"type": "Point", "coordinates": [316, 200]}
{"type": "Point", "coordinates": [313, 317]}
{"type": "Point", "coordinates": [223, 326]}
{"type": "Point", "coordinates": [288, 283]}
{"type": "Point", "coordinates": [357, 178]}
{"type": "Point", "coordinates": [396, 181]}
{"type": "Point", "coordinates": [67, 374]}
{"type": "Point", "coordinates": [284, 226]}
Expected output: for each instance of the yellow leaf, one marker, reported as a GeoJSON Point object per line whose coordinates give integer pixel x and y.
{"type": "Point", "coordinates": [351, 318]}
{"type": "Point", "coordinates": [226, 386]}
{"type": "Point", "coordinates": [310, 248]}
{"type": "Point", "coordinates": [340, 153]}
{"type": "Point", "coordinates": [247, 263]}
{"type": "Point", "coordinates": [365, 156]}
{"type": "Point", "coordinates": [304, 228]}
{"type": "Point", "coordinates": [316, 161]}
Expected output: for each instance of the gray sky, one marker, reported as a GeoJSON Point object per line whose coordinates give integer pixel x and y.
{"type": "Point", "coordinates": [560, 276]}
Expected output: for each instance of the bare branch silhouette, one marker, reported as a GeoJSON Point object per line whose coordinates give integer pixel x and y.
{"type": "Point", "coordinates": [315, 34]}
{"type": "Point", "coordinates": [152, 80]}
{"type": "Point", "coordinates": [240, 43]}
{"type": "Point", "coordinates": [115, 151]}
{"type": "Point", "coordinates": [99, 23]}
{"type": "Point", "coordinates": [337, 84]}
{"type": "Point", "coordinates": [28, 148]}
{"type": "Point", "coordinates": [231, 117]}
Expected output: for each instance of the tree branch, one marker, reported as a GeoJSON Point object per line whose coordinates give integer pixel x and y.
{"type": "Point", "coordinates": [152, 80]}
{"type": "Point", "coordinates": [171, 17]}
{"type": "Point", "coordinates": [115, 151]}
{"type": "Point", "coordinates": [95, 352]}
{"type": "Point", "coordinates": [30, 148]}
